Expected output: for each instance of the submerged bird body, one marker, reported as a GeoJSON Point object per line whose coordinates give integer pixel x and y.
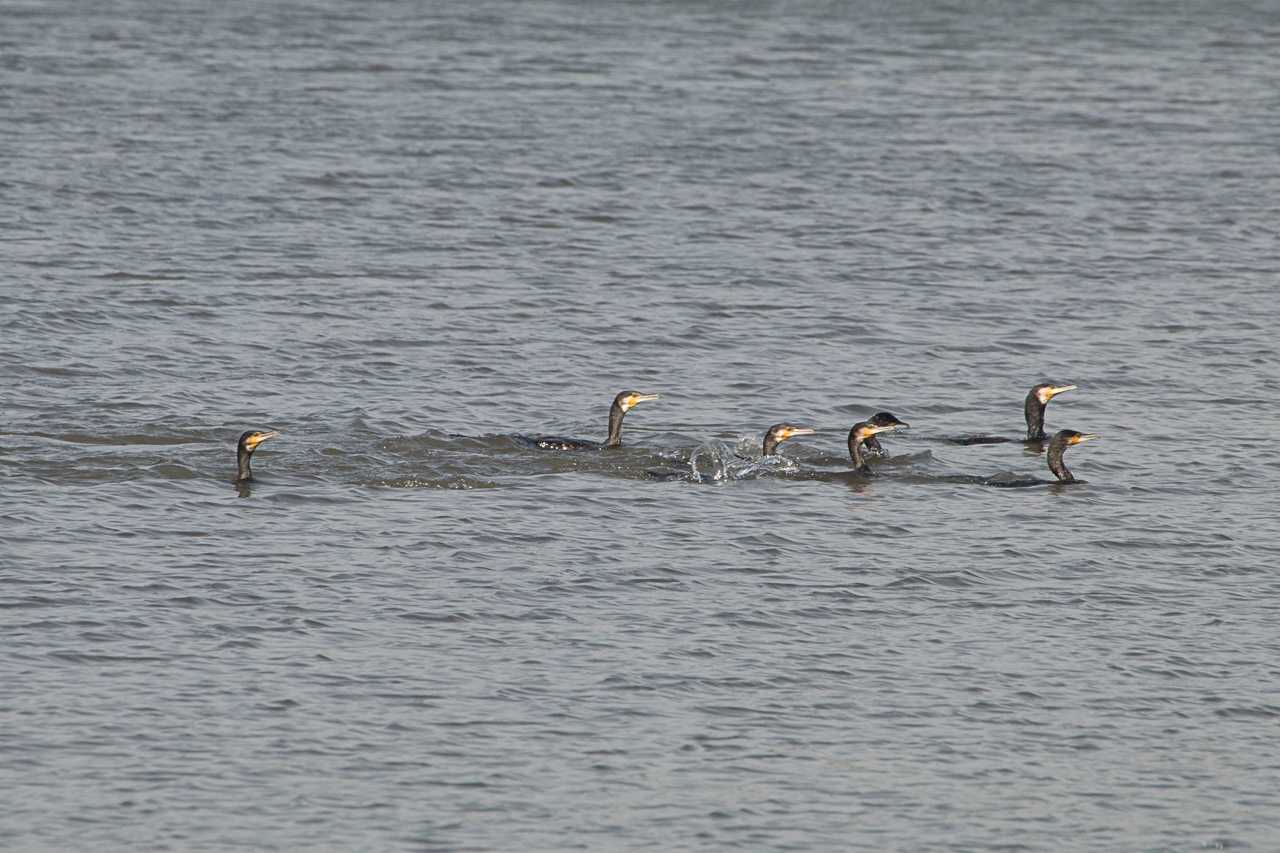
{"type": "Point", "coordinates": [863, 433]}
{"type": "Point", "coordinates": [622, 403]}
{"type": "Point", "coordinates": [1033, 407]}
{"type": "Point", "coordinates": [1058, 445]}
{"type": "Point", "coordinates": [779, 433]}
{"type": "Point", "coordinates": [248, 443]}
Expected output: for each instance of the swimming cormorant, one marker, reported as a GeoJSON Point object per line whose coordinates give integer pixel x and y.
{"type": "Point", "coordinates": [622, 404]}
{"type": "Point", "coordinates": [779, 433]}
{"type": "Point", "coordinates": [1037, 398]}
{"type": "Point", "coordinates": [1059, 443]}
{"type": "Point", "coordinates": [864, 430]}
{"type": "Point", "coordinates": [248, 443]}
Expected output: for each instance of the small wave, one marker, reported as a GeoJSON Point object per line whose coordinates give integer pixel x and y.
{"type": "Point", "coordinates": [955, 580]}
{"type": "Point", "coordinates": [886, 458]}
{"type": "Point", "coordinates": [69, 372]}
{"type": "Point", "coordinates": [84, 657]}
{"type": "Point", "coordinates": [455, 482]}
{"type": "Point", "coordinates": [173, 471]}
{"type": "Point", "coordinates": [1263, 712]}
{"type": "Point", "coordinates": [1010, 480]}
{"type": "Point", "coordinates": [117, 440]}
{"type": "Point", "coordinates": [122, 275]}
{"type": "Point", "coordinates": [968, 440]}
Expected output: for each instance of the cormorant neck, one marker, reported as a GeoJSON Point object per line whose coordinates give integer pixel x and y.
{"type": "Point", "coordinates": [855, 451]}
{"type": "Point", "coordinates": [616, 414]}
{"type": "Point", "coordinates": [242, 462]}
{"type": "Point", "coordinates": [770, 443]}
{"type": "Point", "coordinates": [1034, 411]}
{"type": "Point", "coordinates": [1057, 464]}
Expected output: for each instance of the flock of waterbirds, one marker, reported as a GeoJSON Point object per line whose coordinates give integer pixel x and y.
{"type": "Point", "coordinates": [862, 435]}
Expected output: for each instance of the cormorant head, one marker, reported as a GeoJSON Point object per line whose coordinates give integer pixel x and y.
{"type": "Point", "coordinates": [885, 421]}
{"type": "Point", "coordinates": [1033, 407]}
{"type": "Point", "coordinates": [1046, 391]}
{"type": "Point", "coordinates": [1073, 437]}
{"type": "Point", "coordinates": [250, 440]}
{"type": "Point", "coordinates": [248, 443]}
{"type": "Point", "coordinates": [623, 403]}
{"type": "Point", "coordinates": [877, 423]}
{"type": "Point", "coordinates": [1062, 439]}
{"type": "Point", "coordinates": [628, 399]}
{"type": "Point", "coordinates": [779, 433]}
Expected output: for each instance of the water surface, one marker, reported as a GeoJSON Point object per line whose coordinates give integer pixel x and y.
{"type": "Point", "coordinates": [402, 234]}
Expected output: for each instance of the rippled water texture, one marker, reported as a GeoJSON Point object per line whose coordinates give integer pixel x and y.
{"type": "Point", "coordinates": [407, 235]}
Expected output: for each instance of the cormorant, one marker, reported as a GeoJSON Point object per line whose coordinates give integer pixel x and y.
{"type": "Point", "coordinates": [864, 430]}
{"type": "Point", "coordinates": [1059, 443]}
{"type": "Point", "coordinates": [779, 433]}
{"type": "Point", "coordinates": [1037, 398]}
{"type": "Point", "coordinates": [244, 449]}
{"type": "Point", "coordinates": [622, 403]}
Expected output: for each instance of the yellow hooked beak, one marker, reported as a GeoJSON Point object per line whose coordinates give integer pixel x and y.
{"type": "Point", "coordinates": [1079, 438]}
{"type": "Point", "coordinates": [258, 437]}
{"type": "Point", "coordinates": [631, 401]}
{"type": "Point", "coordinates": [876, 429]}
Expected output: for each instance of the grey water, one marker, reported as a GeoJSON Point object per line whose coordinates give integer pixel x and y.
{"type": "Point", "coordinates": [406, 234]}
